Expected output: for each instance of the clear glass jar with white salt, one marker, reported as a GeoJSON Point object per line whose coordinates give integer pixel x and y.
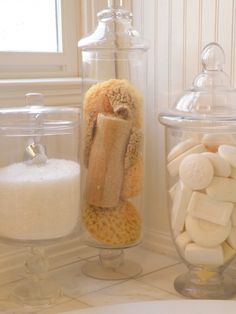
{"type": "Point", "coordinates": [39, 183]}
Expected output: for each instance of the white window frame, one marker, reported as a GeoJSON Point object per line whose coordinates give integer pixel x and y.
{"type": "Point", "coordinates": [15, 65]}
{"type": "Point", "coordinates": [56, 76]}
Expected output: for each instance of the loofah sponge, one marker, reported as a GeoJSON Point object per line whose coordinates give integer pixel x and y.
{"type": "Point", "coordinates": [134, 147]}
{"type": "Point", "coordinates": [133, 180]}
{"type": "Point", "coordinates": [90, 131]}
{"type": "Point", "coordinates": [118, 226]}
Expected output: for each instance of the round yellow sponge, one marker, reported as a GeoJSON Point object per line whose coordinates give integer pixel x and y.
{"type": "Point", "coordinates": [118, 226]}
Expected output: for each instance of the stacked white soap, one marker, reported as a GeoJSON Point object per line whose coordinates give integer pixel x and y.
{"type": "Point", "coordinates": [39, 201]}
{"type": "Point", "coordinates": [203, 214]}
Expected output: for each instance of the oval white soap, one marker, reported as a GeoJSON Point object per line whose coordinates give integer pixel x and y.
{"type": "Point", "coordinates": [213, 140]}
{"type": "Point", "coordinates": [221, 166]}
{"type": "Point", "coordinates": [205, 233]}
{"type": "Point", "coordinates": [228, 152]}
{"type": "Point", "coordinates": [181, 148]}
{"type": "Point", "coordinates": [196, 171]}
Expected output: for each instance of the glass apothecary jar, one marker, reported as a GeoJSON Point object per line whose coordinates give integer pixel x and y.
{"type": "Point", "coordinates": [39, 187]}
{"type": "Point", "coordinates": [114, 80]}
{"type": "Point", "coordinates": [201, 167]}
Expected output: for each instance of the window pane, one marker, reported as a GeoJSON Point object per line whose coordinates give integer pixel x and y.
{"type": "Point", "coordinates": [30, 25]}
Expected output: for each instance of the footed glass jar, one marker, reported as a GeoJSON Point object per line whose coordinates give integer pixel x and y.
{"type": "Point", "coordinates": [114, 80]}
{"type": "Point", "coordinates": [39, 188]}
{"type": "Point", "coordinates": [201, 166]}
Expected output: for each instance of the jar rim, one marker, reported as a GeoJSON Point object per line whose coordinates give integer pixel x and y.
{"type": "Point", "coordinates": [222, 123]}
{"type": "Point", "coordinates": [38, 120]}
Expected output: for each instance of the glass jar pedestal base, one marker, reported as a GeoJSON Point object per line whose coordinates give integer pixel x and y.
{"type": "Point", "coordinates": [205, 284]}
{"type": "Point", "coordinates": [38, 288]}
{"type": "Point", "coordinates": [36, 293]}
{"type": "Point", "coordinates": [111, 265]}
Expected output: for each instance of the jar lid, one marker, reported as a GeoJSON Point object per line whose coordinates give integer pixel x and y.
{"type": "Point", "coordinates": [35, 119]}
{"type": "Point", "coordinates": [211, 102]}
{"type": "Point", "coordinates": [114, 31]}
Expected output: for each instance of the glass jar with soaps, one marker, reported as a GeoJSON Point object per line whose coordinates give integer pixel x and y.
{"type": "Point", "coordinates": [201, 167]}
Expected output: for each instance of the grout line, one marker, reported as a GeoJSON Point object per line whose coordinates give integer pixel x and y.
{"type": "Point", "coordinates": [124, 281]}
{"type": "Point", "coordinates": [163, 289]}
{"type": "Point", "coordinates": [80, 260]}
{"type": "Point", "coordinates": [157, 270]}
{"type": "Point", "coordinates": [105, 287]}
{"type": "Point", "coordinates": [116, 283]}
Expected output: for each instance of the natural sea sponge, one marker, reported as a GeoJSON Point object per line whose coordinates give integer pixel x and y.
{"type": "Point", "coordinates": [134, 147]}
{"type": "Point", "coordinates": [117, 226]}
{"type": "Point", "coordinates": [114, 96]}
{"type": "Point", "coordinates": [133, 180]}
{"type": "Point", "coordinates": [88, 140]}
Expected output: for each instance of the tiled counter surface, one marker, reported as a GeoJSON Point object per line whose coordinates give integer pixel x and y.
{"type": "Point", "coordinates": [155, 283]}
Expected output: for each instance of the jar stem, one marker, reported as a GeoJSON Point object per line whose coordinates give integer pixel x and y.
{"type": "Point", "coordinates": [38, 288]}
{"type": "Point", "coordinates": [115, 3]}
{"type": "Point", "coordinates": [111, 258]}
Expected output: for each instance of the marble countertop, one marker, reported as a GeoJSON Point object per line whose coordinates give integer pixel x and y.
{"type": "Point", "coordinates": [80, 291]}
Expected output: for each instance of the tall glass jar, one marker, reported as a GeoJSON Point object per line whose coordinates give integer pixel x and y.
{"type": "Point", "coordinates": [201, 166]}
{"type": "Point", "coordinates": [114, 81]}
{"type": "Point", "coordinates": [39, 187]}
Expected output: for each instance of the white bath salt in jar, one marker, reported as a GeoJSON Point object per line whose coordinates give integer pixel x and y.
{"type": "Point", "coordinates": [39, 202]}
{"type": "Point", "coordinates": [39, 172]}
{"type": "Point", "coordinates": [201, 170]}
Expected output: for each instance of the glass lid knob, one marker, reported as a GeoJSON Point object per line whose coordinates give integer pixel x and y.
{"type": "Point", "coordinates": [34, 99]}
{"type": "Point", "coordinates": [213, 57]}
{"type": "Point", "coordinates": [115, 3]}
{"type": "Point", "coordinates": [212, 75]}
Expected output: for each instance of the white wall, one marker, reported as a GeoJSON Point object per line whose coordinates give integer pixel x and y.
{"type": "Point", "coordinates": [177, 31]}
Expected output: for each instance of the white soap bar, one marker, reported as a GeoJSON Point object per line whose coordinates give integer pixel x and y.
{"type": "Point", "coordinates": [181, 241]}
{"type": "Point", "coordinates": [173, 166]}
{"type": "Point", "coordinates": [232, 238]}
{"type": "Point", "coordinates": [212, 141]}
{"type": "Point", "coordinates": [181, 148]}
{"type": "Point", "coordinates": [199, 255]}
{"type": "Point", "coordinates": [228, 153]}
{"type": "Point", "coordinates": [222, 189]}
{"type": "Point", "coordinates": [204, 207]}
{"type": "Point", "coordinates": [196, 171]}
{"type": "Point", "coordinates": [233, 216]}
{"type": "Point", "coordinates": [179, 209]}
{"type": "Point", "coordinates": [229, 252]}
{"type": "Point", "coordinates": [221, 166]}
{"type": "Point", "coordinates": [172, 190]}
{"type": "Point", "coordinates": [205, 233]}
